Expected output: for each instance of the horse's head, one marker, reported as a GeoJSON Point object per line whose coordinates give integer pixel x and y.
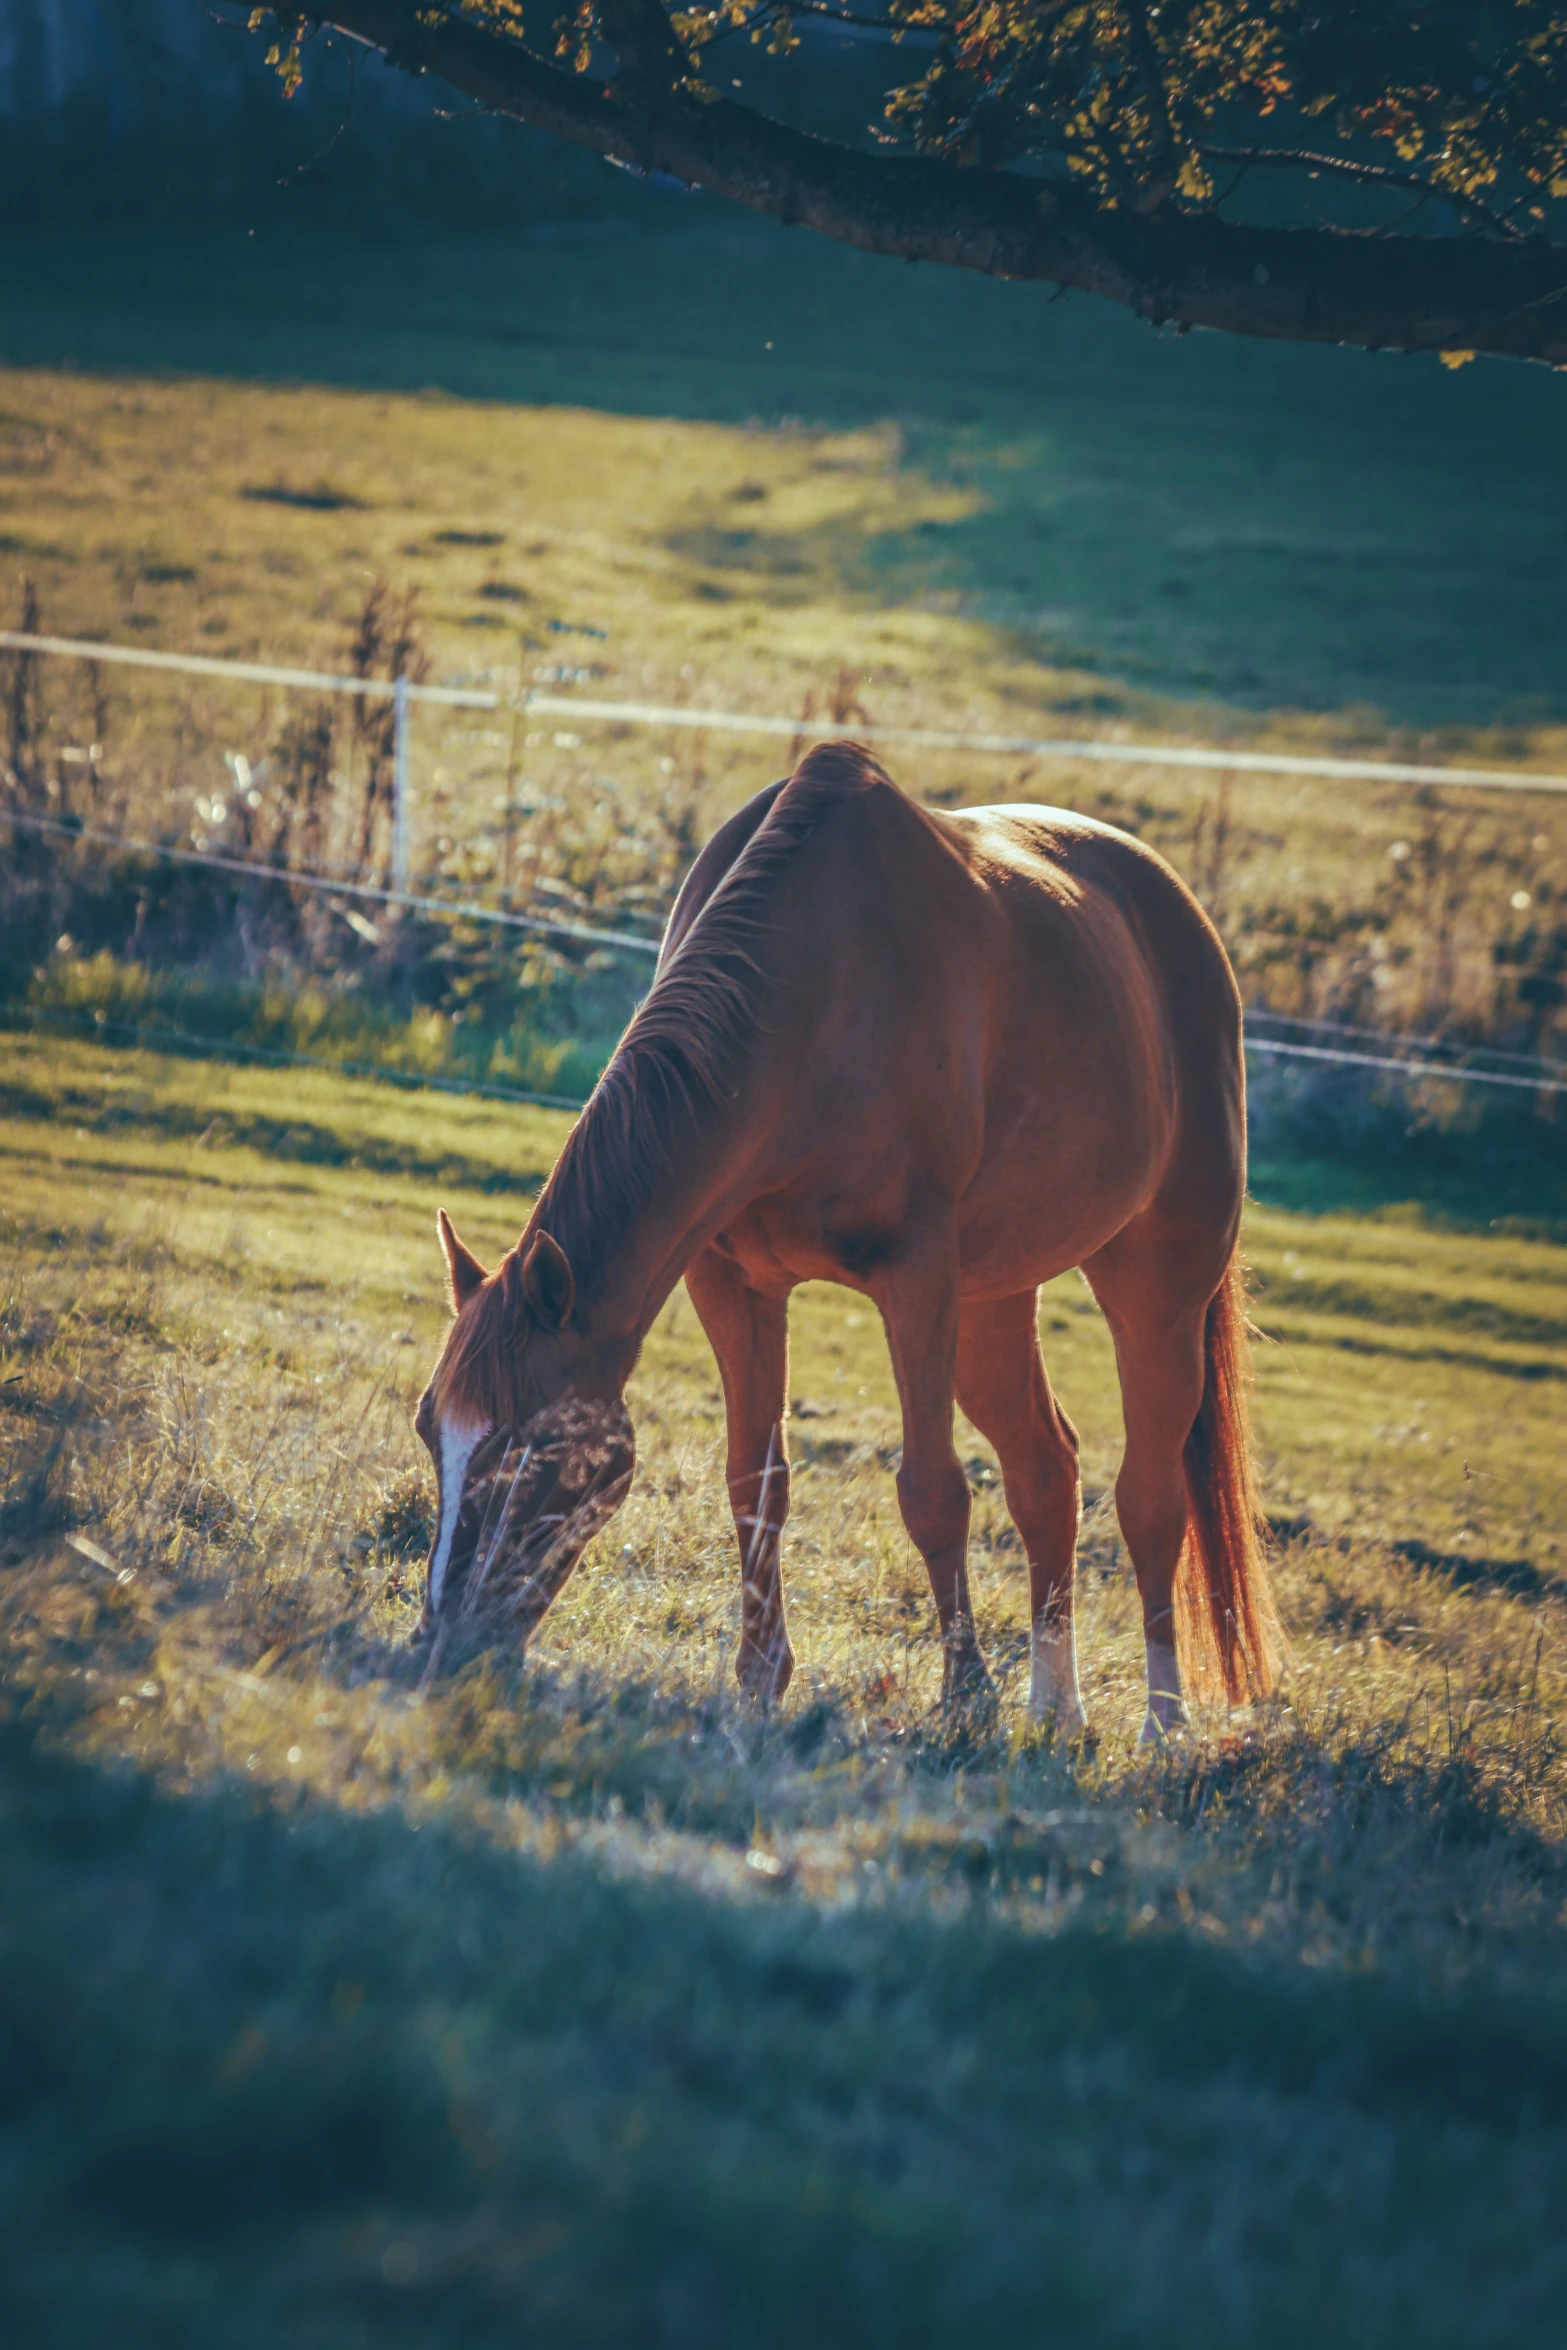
{"type": "Point", "coordinates": [532, 1445]}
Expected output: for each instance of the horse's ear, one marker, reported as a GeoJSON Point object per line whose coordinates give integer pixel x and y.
{"type": "Point", "coordinates": [548, 1283]}
{"type": "Point", "coordinates": [463, 1269]}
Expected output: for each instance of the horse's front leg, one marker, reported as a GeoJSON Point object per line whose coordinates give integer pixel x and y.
{"type": "Point", "coordinates": [918, 1297]}
{"type": "Point", "coordinates": [750, 1336]}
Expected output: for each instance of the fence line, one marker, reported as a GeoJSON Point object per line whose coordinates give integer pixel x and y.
{"type": "Point", "coordinates": [402, 691]}
{"type": "Point", "coordinates": [1393, 1042]}
{"type": "Point", "coordinates": [1122, 754]}
{"type": "Point", "coordinates": [1323, 1052]}
{"type": "Point", "coordinates": [1125, 754]}
{"type": "Point", "coordinates": [469, 910]}
{"type": "Point", "coordinates": [406, 1080]}
{"type": "Point", "coordinates": [301, 877]}
{"type": "Point", "coordinates": [375, 689]}
{"type": "Point", "coordinates": [217, 1048]}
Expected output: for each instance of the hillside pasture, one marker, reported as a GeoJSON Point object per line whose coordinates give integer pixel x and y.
{"type": "Point", "coordinates": [801, 569]}
{"type": "Point", "coordinates": [581, 2001]}
{"type": "Point", "coordinates": [680, 456]}
{"type": "Point", "coordinates": [577, 2003]}
{"type": "Point", "coordinates": [1039, 499]}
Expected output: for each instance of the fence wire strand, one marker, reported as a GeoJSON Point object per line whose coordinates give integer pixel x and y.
{"type": "Point", "coordinates": [1403, 1056]}
{"type": "Point", "coordinates": [1127, 754]}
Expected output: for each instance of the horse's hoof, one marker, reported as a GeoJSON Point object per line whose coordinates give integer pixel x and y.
{"type": "Point", "coordinates": [762, 1678]}
{"type": "Point", "coordinates": [1064, 1717]}
{"type": "Point", "coordinates": [1156, 1733]}
{"type": "Point", "coordinates": [968, 1695]}
{"type": "Point", "coordinates": [1072, 1735]}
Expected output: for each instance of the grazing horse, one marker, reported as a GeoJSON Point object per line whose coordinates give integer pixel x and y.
{"type": "Point", "coordinates": [939, 1059]}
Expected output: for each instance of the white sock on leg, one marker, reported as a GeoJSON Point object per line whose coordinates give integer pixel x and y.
{"type": "Point", "coordinates": [1053, 1687]}
{"type": "Point", "coordinates": [1166, 1705]}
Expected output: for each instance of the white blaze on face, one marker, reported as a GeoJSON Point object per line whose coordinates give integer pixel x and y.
{"type": "Point", "coordinates": [458, 1443]}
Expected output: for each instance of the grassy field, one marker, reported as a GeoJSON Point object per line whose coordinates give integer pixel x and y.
{"type": "Point", "coordinates": [586, 2007]}
{"type": "Point", "coordinates": [1061, 522]}
{"type": "Point", "coordinates": [1267, 529]}
{"type": "Point", "coordinates": [695, 459]}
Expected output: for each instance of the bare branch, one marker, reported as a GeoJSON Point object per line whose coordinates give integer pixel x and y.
{"type": "Point", "coordinates": [1369, 174]}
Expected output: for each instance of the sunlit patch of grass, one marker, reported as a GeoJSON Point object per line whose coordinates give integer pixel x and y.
{"type": "Point", "coordinates": [872, 570]}
{"type": "Point", "coordinates": [550, 1950]}
{"type": "Point", "coordinates": [236, 1441]}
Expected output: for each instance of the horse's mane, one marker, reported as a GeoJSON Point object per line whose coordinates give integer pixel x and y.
{"type": "Point", "coordinates": [679, 1054]}
{"type": "Point", "coordinates": [695, 1024]}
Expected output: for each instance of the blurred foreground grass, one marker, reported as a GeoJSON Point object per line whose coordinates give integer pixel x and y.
{"type": "Point", "coordinates": [583, 2006]}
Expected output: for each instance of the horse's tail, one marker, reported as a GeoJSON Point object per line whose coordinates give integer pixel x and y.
{"type": "Point", "coordinates": [1224, 1611]}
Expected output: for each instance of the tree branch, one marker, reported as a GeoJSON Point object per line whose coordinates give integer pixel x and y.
{"type": "Point", "coordinates": [651, 59]}
{"type": "Point", "coordinates": [1507, 296]}
{"type": "Point", "coordinates": [1377, 175]}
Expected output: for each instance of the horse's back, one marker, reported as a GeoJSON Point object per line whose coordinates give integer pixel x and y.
{"type": "Point", "coordinates": [1051, 1001]}
{"type": "Point", "coordinates": [1116, 1059]}
{"type": "Point", "coordinates": [1030, 999]}
{"type": "Point", "coordinates": [1055, 871]}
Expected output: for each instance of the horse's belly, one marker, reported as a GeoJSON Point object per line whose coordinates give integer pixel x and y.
{"type": "Point", "coordinates": [1039, 1203]}
{"type": "Point", "coordinates": [779, 1242]}
{"type": "Point", "coordinates": [1044, 1200]}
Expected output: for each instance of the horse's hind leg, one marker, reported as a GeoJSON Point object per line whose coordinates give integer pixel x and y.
{"type": "Point", "coordinates": [750, 1337]}
{"type": "Point", "coordinates": [1003, 1387]}
{"type": "Point", "coordinates": [918, 1297]}
{"type": "Point", "coordinates": [1157, 1316]}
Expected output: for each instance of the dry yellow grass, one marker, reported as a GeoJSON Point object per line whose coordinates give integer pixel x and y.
{"type": "Point", "coordinates": [768, 570]}
{"type": "Point", "coordinates": [235, 1330]}
{"type": "Point", "coordinates": [516, 1999]}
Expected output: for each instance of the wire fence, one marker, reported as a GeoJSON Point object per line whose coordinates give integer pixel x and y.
{"type": "Point", "coordinates": [329, 885]}
{"type": "Point", "coordinates": [1118, 752]}
{"type": "Point", "coordinates": [1418, 1057]}
{"type": "Point", "coordinates": [186, 1043]}
{"type": "Point", "coordinates": [1271, 1035]}
{"type": "Point", "coordinates": [1551, 1077]}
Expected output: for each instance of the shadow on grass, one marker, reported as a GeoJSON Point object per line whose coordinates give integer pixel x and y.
{"type": "Point", "coordinates": [1279, 525]}
{"type": "Point", "coordinates": [361, 2077]}
{"type": "Point", "coordinates": [1519, 1576]}
{"type": "Point", "coordinates": [296, 1140]}
{"type": "Point", "coordinates": [1509, 1174]}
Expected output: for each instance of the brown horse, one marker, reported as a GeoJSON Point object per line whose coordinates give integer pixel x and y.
{"type": "Point", "coordinates": [938, 1059]}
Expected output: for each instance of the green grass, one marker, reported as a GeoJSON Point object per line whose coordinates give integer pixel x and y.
{"type": "Point", "coordinates": [1267, 527]}
{"type": "Point", "coordinates": [585, 2006]}
{"type": "Point", "coordinates": [293, 1018]}
{"type": "Point", "coordinates": [582, 2005]}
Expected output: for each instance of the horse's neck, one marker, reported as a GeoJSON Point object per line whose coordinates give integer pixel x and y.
{"type": "Point", "coordinates": [632, 1218]}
